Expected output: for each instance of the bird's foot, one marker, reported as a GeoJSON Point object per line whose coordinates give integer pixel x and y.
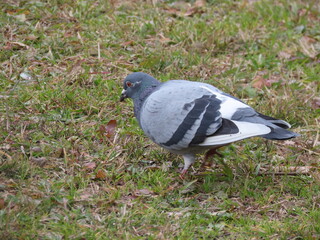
{"type": "Point", "coordinates": [183, 173]}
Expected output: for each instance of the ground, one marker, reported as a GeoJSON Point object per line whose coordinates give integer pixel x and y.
{"type": "Point", "coordinates": [74, 163]}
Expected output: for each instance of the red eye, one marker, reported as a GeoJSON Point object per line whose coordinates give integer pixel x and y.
{"type": "Point", "coordinates": [129, 84]}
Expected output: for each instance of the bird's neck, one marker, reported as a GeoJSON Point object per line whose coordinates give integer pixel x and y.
{"type": "Point", "coordinates": [139, 100]}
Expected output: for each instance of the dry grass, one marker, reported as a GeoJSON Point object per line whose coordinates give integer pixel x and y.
{"type": "Point", "coordinates": [64, 172]}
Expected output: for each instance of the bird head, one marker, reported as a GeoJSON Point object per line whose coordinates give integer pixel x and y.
{"type": "Point", "coordinates": [135, 83]}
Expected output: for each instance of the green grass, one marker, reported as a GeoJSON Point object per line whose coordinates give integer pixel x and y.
{"type": "Point", "coordinates": [61, 177]}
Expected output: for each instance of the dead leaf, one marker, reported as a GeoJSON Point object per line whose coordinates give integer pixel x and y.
{"type": "Point", "coordinates": [184, 9]}
{"type": "Point", "coordinates": [289, 143]}
{"type": "Point", "coordinates": [109, 129]}
{"type": "Point", "coordinates": [15, 46]}
{"type": "Point", "coordinates": [101, 174]}
{"type": "Point", "coordinates": [307, 46]}
{"type": "Point", "coordinates": [90, 165]}
{"type": "Point", "coordinates": [85, 196]}
{"type": "Point", "coordinates": [200, 3]}
{"type": "Point", "coordinates": [315, 103]}
{"type": "Point", "coordinates": [143, 192]}
{"type": "Point", "coordinates": [40, 161]}
{"type": "Point", "coordinates": [284, 55]}
{"type": "Point", "coordinates": [192, 11]}
{"type": "Point", "coordinates": [31, 37]}
{"type": "Point", "coordinates": [197, 8]}
{"type": "Point", "coordinates": [260, 82]}
{"type": "Point", "coordinates": [128, 43]}
{"type": "Point", "coordinates": [2, 204]}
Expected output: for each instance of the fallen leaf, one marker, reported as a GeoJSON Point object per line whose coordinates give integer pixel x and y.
{"type": "Point", "coordinates": [260, 82]}
{"type": "Point", "coordinates": [15, 46]}
{"type": "Point", "coordinates": [85, 196]}
{"type": "Point", "coordinates": [101, 174]}
{"type": "Point", "coordinates": [184, 9]}
{"type": "Point", "coordinates": [200, 3]}
{"type": "Point", "coordinates": [143, 192]}
{"type": "Point", "coordinates": [307, 46]}
{"type": "Point", "coordinates": [2, 204]}
{"type": "Point", "coordinates": [284, 55]}
{"type": "Point", "coordinates": [40, 161]}
{"type": "Point", "coordinates": [31, 37]}
{"type": "Point", "coordinates": [289, 143]}
{"type": "Point", "coordinates": [315, 103]}
{"type": "Point", "coordinates": [128, 43]}
{"type": "Point", "coordinates": [90, 165]}
{"type": "Point", "coordinates": [109, 129]}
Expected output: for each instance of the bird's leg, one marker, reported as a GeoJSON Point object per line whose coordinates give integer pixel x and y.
{"type": "Point", "coordinates": [211, 152]}
{"type": "Point", "coordinates": [183, 172]}
{"type": "Point", "coordinates": [188, 161]}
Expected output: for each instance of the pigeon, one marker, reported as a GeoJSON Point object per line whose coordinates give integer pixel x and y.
{"type": "Point", "coordinates": [188, 118]}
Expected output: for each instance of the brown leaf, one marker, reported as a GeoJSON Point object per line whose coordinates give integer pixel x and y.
{"type": "Point", "coordinates": [90, 165]}
{"type": "Point", "coordinates": [315, 103]}
{"type": "Point", "coordinates": [184, 9]}
{"type": "Point", "coordinates": [101, 174]}
{"type": "Point", "coordinates": [173, 11]}
{"type": "Point", "coordinates": [31, 37]}
{"type": "Point", "coordinates": [307, 46]}
{"type": "Point", "coordinates": [260, 82]}
{"type": "Point", "coordinates": [40, 161]}
{"type": "Point", "coordinates": [284, 55]}
{"type": "Point", "coordinates": [200, 3]}
{"type": "Point", "coordinates": [143, 192]}
{"type": "Point", "coordinates": [109, 129]}
{"type": "Point", "coordinates": [128, 43]}
{"type": "Point", "coordinates": [2, 204]}
{"type": "Point", "coordinates": [15, 46]}
{"type": "Point", "coordinates": [85, 196]}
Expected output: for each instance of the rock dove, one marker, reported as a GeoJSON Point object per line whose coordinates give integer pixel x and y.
{"type": "Point", "coordinates": [188, 117]}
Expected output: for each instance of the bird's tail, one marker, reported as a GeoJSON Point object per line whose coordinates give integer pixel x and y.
{"type": "Point", "coordinates": [278, 133]}
{"type": "Point", "coordinates": [278, 129]}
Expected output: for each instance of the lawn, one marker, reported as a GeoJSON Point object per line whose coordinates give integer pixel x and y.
{"type": "Point", "coordinates": [74, 163]}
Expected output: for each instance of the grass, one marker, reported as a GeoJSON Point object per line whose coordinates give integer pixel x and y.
{"type": "Point", "coordinates": [64, 173]}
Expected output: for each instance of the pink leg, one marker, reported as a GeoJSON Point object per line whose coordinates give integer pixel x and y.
{"type": "Point", "coordinates": [183, 172]}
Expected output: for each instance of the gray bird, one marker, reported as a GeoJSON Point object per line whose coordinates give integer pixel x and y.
{"type": "Point", "coordinates": [188, 117]}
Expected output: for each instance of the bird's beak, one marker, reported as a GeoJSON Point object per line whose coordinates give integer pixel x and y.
{"type": "Point", "coordinates": [123, 95]}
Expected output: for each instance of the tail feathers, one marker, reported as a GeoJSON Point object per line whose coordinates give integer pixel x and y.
{"type": "Point", "coordinates": [278, 122]}
{"type": "Point", "coordinates": [278, 133]}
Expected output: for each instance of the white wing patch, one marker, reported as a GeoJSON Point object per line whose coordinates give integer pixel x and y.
{"type": "Point", "coordinates": [246, 130]}
{"type": "Point", "coordinates": [228, 106]}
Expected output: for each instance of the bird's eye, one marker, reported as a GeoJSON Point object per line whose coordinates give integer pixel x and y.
{"type": "Point", "coordinates": [129, 84]}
